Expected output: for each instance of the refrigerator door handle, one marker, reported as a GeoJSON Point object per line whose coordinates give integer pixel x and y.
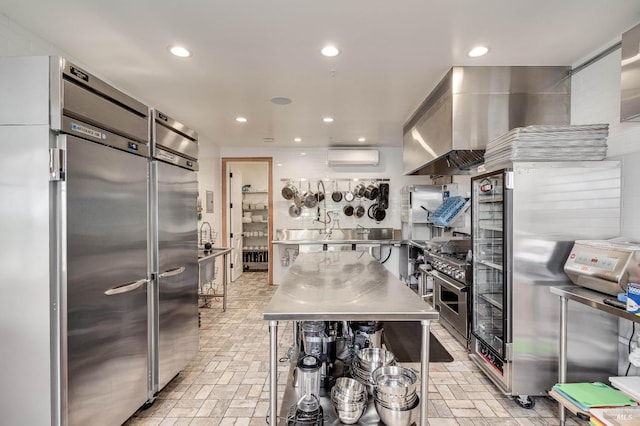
{"type": "Point", "coordinates": [172, 272]}
{"type": "Point", "coordinates": [125, 288]}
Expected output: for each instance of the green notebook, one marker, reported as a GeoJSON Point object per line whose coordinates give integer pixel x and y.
{"type": "Point", "coordinates": [594, 394]}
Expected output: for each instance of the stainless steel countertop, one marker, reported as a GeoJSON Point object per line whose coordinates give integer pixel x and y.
{"type": "Point", "coordinates": [304, 242]}
{"type": "Point", "coordinates": [593, 299]}
{"type": "Point", "coordinates": [361, 235]}
{"type": "Point", "coordinates": [215, 252]}
{"type": "Point", "coordinates": [351, 285]}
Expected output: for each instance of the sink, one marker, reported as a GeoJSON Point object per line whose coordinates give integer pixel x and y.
{"type": "Point", "coordinates": [344, 234]}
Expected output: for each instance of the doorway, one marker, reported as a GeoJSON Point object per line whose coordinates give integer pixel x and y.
{"type": "Point", "coordinates": [247, 219]}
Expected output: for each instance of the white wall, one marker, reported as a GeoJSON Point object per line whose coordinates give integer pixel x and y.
{"type": "Point", "coordinates": [595, 98]}
{"type": "Point", "coordinates": [209, 180]}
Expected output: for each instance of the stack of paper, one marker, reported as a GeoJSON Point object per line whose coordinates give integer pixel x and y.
{"type": "Point", "coordinates": [592, 395]}
{"type": "Point", "coordinates": [549, 143]}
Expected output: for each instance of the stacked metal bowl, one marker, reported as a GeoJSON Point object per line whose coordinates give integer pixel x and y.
{"type": "Point", "coordinates": [366, 361]}
{"type": "Point", "coordinates": [394, 393]}
{"type": "Point", "coordinates": [349, 400]}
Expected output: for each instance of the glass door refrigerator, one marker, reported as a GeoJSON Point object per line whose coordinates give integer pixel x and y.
{"type": "Point", "coordinates": [525, 219]}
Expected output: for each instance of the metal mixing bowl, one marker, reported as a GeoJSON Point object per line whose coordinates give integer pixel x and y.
{"type": "Point", "coordinates": [372, 358]}
{"type": "Point", "coordinates": [394, 381]}
{"type": "Point", "coordinates": [394, 417]}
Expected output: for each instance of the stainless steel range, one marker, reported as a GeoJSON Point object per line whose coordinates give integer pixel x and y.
{"type": "Point", "coordinates": [451, 274]}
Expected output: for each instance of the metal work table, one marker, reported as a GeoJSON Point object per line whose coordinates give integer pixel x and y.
{"type": "Point", "coordinates": [344, 286]}
{"type": "Point", "coordinates": [589, 298]}
{"type": "Point", "coordinates": [208, 260]}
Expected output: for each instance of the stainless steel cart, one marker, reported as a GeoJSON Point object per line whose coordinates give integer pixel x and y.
{"type": "Point", "coordinates": [344, 286]}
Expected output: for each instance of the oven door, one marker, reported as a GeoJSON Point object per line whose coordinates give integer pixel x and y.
{"type": "Point", "coordinates": [451, 300]}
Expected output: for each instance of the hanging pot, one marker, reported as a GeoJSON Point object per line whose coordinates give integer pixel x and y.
{"type": "Point", "coordinates": [289, 191]}
{"type": "Point", "coordinates": [380, 214]}
{"type": "Point", "coordinates": [371, 211]}
{"type": "Point", "coordinates": [359, 190]}
{"type": "Point", "coordinates": [297, 200]}
{"type": "Point", "coordinates": [348, 210]}
{"type": "Point", "coordinates": [349, 196]}
{"type": "Point", "coordinates": [294, 211]}
{"type": "Point", "coordinates": [336, 195]}
{"type": "Point", "coordinates": [371, 192]}
{"type": "Point", "coordinates": [309, 199]}
{"type": "Point", "coordinates": [359, 211]}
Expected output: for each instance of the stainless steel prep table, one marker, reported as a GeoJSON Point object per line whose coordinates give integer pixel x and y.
{"type": "Point", "coordinates": [203, 261]}
{"type": "Point", "coordinates": [344, 286]}
{"type": "Point", "coordinates": [589, 298]}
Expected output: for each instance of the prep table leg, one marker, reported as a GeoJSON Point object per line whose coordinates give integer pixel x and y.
{"type": "Point", "coordinates": [424, 372]}
{"type": "Point", "coordinates": [273, 373]}
{"type": "Point", "coordinates": [562, 368]}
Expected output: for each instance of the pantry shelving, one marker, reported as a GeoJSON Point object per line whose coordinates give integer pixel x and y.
{"type": "Point", "coordinates": [255, 231]}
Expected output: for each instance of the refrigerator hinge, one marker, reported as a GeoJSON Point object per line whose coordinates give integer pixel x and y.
{"type": "Point", "coordinates": [231, 235]}
{"type": "Point", "coordinates": [230, 205]}
{"type": "Point", "coordinates": [56, 164]}
{"type": "Point", "coordinates": [231, 266]}
{"type": "Point", "coordinates": [154, 276]}
{"type": "Point", "coordinates": [230, 175]}
{"type": "Point", "coordinates": [508, 180]}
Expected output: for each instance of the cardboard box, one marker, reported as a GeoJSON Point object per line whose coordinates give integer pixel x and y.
{"type": "Point", "coordinates": [633, 298]}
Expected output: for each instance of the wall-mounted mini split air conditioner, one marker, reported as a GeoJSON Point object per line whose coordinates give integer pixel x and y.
{"type": "Point", "coordinates": [353, 157]}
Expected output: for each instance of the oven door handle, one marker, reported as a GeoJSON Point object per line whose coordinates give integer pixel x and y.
{"type": "Point", "coordinates": [452, 285]}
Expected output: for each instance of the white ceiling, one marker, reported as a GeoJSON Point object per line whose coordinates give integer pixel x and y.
{"type": "Point", "coordinates": [249, 51]}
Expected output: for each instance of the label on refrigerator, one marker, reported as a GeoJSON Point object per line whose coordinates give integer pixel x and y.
{"type": "Point", "coordinates": [87, 131]}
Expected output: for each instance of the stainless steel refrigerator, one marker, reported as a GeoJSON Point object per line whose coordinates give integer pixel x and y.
{"type": "Point", "coordinates": [174, 296]}
{"type": "Point", "coordinates": [73, 268]}
{"type": "Point", "coordinates": [525, 219]}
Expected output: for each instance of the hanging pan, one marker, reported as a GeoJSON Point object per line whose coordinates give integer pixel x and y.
{"type": "Point", "coordinates": [349, 196]}
{"type": "Point", "coordinates": [336, 195]}
{"type": "Point", "coordinates": [294, 211]}
{"type": "Point", "coordinates": [309, 198]}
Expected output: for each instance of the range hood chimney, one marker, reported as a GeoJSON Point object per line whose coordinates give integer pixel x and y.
{"type": "Point", "coordinates": [471, 106]}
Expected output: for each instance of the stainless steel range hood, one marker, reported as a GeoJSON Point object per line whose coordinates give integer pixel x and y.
{"type": "Point", "coordinates": [471, 106]}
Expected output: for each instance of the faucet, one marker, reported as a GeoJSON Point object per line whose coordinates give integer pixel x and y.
{"type": "Point", "coordinates": [326, 221]}
{"type": "Point", "coordinates": [362, 230]}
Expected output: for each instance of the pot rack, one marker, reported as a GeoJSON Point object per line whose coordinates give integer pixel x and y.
{"type": "Point", "coordinates": [330, 180]}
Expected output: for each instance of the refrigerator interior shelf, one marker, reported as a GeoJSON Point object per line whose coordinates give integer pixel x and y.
{"type": "Point", "coordinates": [490, 199]}
{"type": "Point", "coordinates": [495, 299]}
{"type": "Point", "coordinates": [491, 264]}
{"type": "Point", "coordinates": [491, 228]}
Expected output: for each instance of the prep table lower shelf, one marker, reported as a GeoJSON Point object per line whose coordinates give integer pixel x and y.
{"type": "Point", "coordinates": [370, 416]}
{"type": "Point", "coordinates": [343, 286]}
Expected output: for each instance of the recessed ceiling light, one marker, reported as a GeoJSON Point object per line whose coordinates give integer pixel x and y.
{"type": "Point", "coordinates": [279, 164]}
{"type": "Point", "coordinates": [241, 119]}
{"type": "Point", "coordinates": [297, 139]}
{"type": "Point", "coordinates": [362, 139]}
{"type": "Point", "coordinates": [180, 52]}
{"type": "Point", "coordinates": [478, 51]}
{"type": "Point", "coordinates": [328, 119]}
{"type": "Point", "coordinates": [303, 153]}
{"type": "Point", "coordinates": [330, 51]}
{"type": "Point", "coordinates": [280, 100]}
